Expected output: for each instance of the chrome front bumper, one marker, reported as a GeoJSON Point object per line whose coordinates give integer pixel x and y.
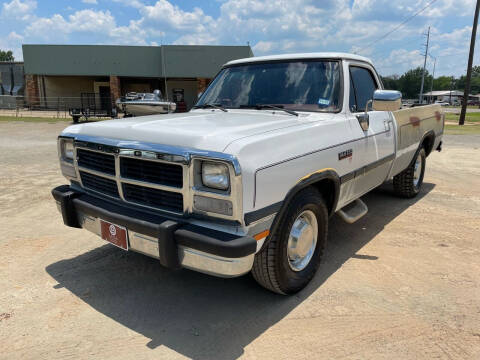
{"type": "Point", "coordinates": [226, 256]}
{"type": "Point", "coordinates": [189, 258]}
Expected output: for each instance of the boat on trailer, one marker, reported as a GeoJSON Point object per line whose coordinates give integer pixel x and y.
{"type": "Point", "coordinates": [140, 104]}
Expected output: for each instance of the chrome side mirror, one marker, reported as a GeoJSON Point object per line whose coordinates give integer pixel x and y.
{"type": "Point", "coordinates": [387, 100]}
{"type": "Point", "coordinates": [199, 95]}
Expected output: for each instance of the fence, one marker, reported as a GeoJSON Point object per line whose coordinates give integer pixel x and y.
{"type": "Point", "coordinates": [57, 107]}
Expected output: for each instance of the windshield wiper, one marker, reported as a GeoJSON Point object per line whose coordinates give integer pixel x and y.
{"type": "Point", "coordinates": [270, 106]}
{"type": "Point", "coordinates": [215, 106]}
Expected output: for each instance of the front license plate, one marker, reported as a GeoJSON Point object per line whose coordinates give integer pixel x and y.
{"type": "Point", "coordinates": [115, 234]}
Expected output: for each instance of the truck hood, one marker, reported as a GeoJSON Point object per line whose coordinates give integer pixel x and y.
{"type": "Point", "coordinates": [200, 129]}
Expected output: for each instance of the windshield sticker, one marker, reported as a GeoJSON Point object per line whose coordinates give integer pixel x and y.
{"type": "Point", "coordinates": [323, 102]}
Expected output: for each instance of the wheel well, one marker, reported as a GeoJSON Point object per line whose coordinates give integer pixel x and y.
{"type": "Point", "coordinates": [327, 188]}
{"type": "Point", "coordinates": [427, 143]}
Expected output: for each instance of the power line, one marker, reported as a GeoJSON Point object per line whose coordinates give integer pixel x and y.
{"type": "Point", "coordinates": [402, 23]}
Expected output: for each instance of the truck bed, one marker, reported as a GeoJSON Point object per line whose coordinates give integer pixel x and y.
{"type": "Point", "coordinates": [412, 125]}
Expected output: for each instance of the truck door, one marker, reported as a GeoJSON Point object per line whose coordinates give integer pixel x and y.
{"type": "Point", "coordinates": [374, 149]}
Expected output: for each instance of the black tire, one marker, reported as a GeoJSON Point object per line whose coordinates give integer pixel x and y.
{"type": "Point", "coordinates": [404, 183]}
{"type": "Point", "coordinates": [271, 267]}
{"type": "Point", "coordinates": [75, 119]}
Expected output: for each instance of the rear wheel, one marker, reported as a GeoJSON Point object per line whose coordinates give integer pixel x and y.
{"type": "Point", "coordinates": [409, 182]}
{"type": "Point", "coordinates": [292, 256]}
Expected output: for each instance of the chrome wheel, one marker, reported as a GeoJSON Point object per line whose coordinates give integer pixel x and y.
{"type": "Point", "coordinates": [417, 170]}
{"type": "Point", "coordinates": [302, 240]}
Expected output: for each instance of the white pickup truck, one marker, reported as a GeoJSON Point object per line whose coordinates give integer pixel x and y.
{"type": "Point", "coordinates": [248, 179]}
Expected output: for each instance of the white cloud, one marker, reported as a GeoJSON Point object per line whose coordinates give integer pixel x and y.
{"type": "Point", "coordinates": [59, 29]}
{"type": "Point", "coordinates": [12, 42]}
{"type": "Point", "coordinates": [93, 2]}
{"type": "Point", "coordinates": [80, 21]}
{"type": "Point", "coordinates": [13, 36]}
{"type": "Point", "coordinates": [271, 26]}
{"type": "Point", "coordinates": [131, 3]}
{"type": "Point", "coordinates": [399, 59]}
{"type": "Point", "coordinates": [18, 10]}
{"type": "Point", "coordinates": [459, 37]}
{"type": "Point", "coordinates": [263, 46]}
{"type": "Point", "coordinates": [91, 21]}
{"type": "Point", "coordinates": [163, 13]}
{"type": "Point", "coordinates": [200, 39]}
{"type": "Point", "coordinates": [457, 7]}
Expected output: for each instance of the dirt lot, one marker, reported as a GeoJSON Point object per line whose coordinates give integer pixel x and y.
{"type": "Point", "coordinates": [403, 282]}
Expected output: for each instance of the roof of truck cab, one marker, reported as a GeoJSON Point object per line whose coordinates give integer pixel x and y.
{"type": "Point", "coordinates": [316, 55]}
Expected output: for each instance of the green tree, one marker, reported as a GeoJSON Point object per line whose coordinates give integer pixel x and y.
{"type": "Point", "coordinates": [6, 56]}
{"type": "Point", "coordinates": [474, 83]}
{"type": "Point", "coordinates": [443, 83]}
{"type": "Point", "coordinates": [410, 83]}
{"type": "Point", "coordinates": [390, 82]}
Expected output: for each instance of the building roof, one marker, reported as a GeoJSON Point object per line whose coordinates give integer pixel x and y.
{"type": "Point", "coordinates": [444, 93]}
{"type": "Point", "coordinates": [187, 61]}
{"type": "Point", "coordinates": [317, 55]}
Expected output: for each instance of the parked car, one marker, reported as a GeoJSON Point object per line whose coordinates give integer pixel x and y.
{"type": "Point", "coordinates": [442, 103]}
{"type": "Point", "coordinates": [248, 179]}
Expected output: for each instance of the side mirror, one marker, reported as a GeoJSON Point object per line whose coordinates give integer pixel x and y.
{"type": "Point", "coordinates": [199, 95]}
{"type": "Point", "coordinates": [387, 100]}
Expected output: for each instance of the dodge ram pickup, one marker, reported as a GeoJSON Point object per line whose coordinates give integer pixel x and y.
{"type": "Point", "coordinates": [247, 180]}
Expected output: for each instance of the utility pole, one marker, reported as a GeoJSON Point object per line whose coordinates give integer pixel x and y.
{"type": "Point", "coordinates": [461, 121]}
{"type": "Point", "coordinates": [424, 66]}
{"type": "Point", "coordinates": [451, 87]}
{"type": "Point", "coordinates": [433, 76]}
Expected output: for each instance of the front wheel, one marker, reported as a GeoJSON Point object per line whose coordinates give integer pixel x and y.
{"type": "Point", "coordinates": [292, 255]}
{"type": "Point", "coordinates": [407, 184]}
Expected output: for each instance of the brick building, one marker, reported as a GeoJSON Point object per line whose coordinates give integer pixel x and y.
{"type": "Point", "coordinates": [110, 71]}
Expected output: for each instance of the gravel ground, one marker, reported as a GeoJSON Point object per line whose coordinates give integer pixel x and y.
{"type": "Point", "coordinates": [403, 282]}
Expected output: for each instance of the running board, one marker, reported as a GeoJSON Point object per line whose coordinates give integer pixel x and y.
{"type": "Point", "coordinates": [353, 211]}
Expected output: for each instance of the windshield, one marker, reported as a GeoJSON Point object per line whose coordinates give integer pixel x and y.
{"type": "Point", "coordinates": [298, 85]}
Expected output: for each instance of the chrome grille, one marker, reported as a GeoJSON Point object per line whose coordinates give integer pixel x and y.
{"type": "Point", "coordinates": [99, 184]}
{"type": "Point", "coordinates": [121, 174]}
{"type": "Point", "coordinates": [152, 171]}
{"type": "Point", "coordinates": [96, 161]}
{"type": "Point", "coordinates": [153, 197]}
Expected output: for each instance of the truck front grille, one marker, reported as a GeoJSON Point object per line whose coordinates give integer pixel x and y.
{"type": "Point", "coordinates": [152, 171]}
{"type": "Point", "coordinates": [153, 197]}
{"type": "Point", "coordinates": [96, 161]}
{"type": "Point", "coordinates": [99, 184]}
{"type": "Point", "coordinates": [160, 184]}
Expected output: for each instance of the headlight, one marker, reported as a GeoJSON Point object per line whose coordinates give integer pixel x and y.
{"type": "Point", "coordinates": [66, 148]}
{"type": "Point", "coordinates": [215, 175]}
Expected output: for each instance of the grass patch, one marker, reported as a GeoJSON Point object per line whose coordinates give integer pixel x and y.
{"type": "Point", "coordinates": [34, 119]}
{"type": "Point", "coordinates": [462, 130]}
{"type": "Point", "coordinates": [469, 117]}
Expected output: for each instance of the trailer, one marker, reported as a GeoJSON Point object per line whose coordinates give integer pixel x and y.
{"type": "Point", "coordinates": [96, 105]}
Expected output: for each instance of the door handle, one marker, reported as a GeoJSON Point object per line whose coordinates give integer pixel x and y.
{"type": "Point", "coordinates": [386, 123]}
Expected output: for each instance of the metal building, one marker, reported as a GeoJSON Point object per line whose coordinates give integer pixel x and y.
{"type": "Point", "coordinates": [111, 71]}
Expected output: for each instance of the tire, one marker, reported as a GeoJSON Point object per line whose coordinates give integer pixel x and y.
{"type": "Point", "coordinates": [273, 267]}
{"type": "Point", "coordinates": [408, 183]}
{"type": "Point", "coordinates": [75, 119]}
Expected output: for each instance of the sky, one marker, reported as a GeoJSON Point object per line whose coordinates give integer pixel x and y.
{"type": "Point", "coordinates": [270, 27]}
